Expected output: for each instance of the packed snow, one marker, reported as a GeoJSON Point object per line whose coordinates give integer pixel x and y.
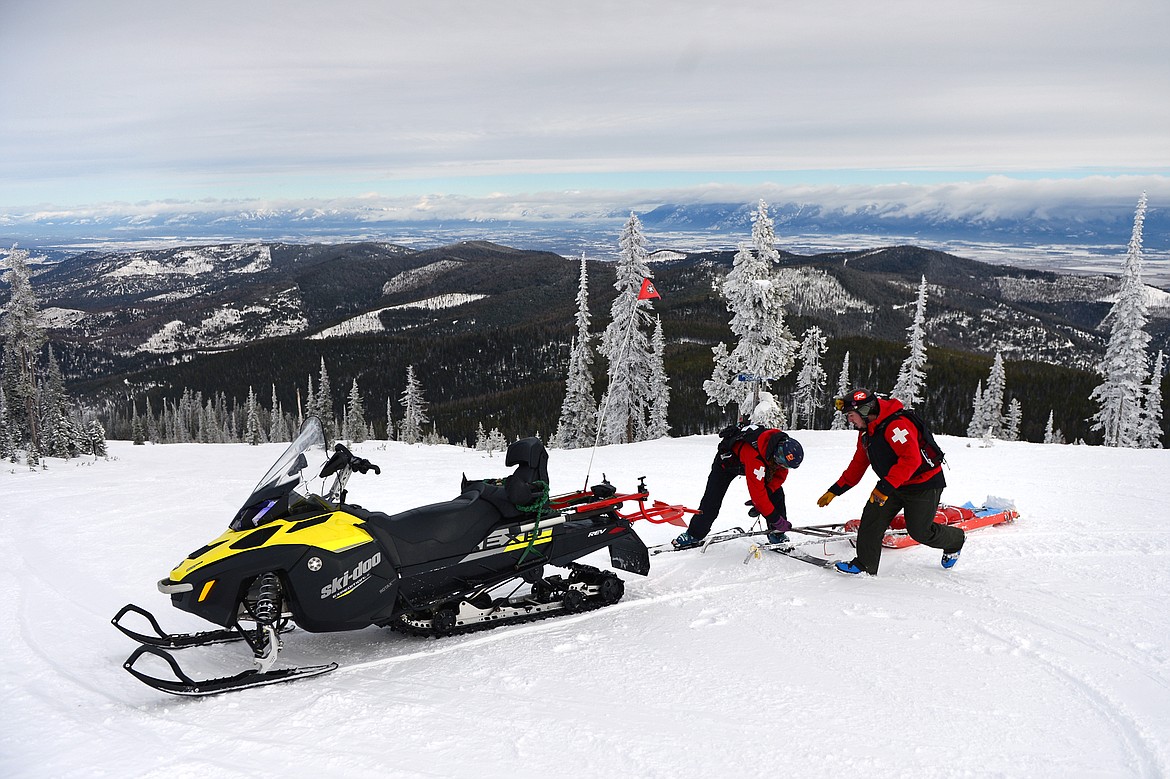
{"type": "Point", "coordinates": [1043, 653]}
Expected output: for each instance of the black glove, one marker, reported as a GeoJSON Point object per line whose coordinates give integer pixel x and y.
{"type": "Point", "coordinates": [752, 510]}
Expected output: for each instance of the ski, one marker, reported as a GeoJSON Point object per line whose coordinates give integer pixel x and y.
{"type": "Point", "coordinates": [788, 550]}
{"type": "Point", "coordinates": [183, 684]}
{"type": "Point", "coordinates": [165, 640]}
{"type": "Point", "coordinates": [714, 538]}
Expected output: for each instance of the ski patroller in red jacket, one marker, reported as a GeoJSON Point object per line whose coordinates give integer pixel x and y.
{"type": "Point", "coordinates": [895, 454]}
{"type": "Point", "coordinates": [762, 479]}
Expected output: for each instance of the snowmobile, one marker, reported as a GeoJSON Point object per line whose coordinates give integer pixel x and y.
{"type": "Point", "coordinates": [291, 557]}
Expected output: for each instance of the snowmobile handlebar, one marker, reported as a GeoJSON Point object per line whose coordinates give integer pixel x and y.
{"type": "Point", "coordinates": [343, 458]}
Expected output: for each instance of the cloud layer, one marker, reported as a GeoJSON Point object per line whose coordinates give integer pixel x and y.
{"type": "Point", "coordinates": [125, 101]}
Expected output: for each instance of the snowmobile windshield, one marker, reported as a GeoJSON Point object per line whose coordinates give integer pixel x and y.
{"type": "Point", "coordinates": [282, 478]}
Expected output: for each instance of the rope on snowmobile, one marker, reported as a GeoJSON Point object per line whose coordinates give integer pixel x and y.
{"type": "Point", "coordinates": [537, 506]}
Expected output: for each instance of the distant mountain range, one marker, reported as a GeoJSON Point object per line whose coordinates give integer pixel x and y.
{"type": "Point", "coordinates": [488, 326]}
{"type": "Point", "coordinates": [593, 231]}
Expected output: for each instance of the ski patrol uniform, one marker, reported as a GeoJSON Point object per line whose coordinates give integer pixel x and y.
{"type": "Point", "coordinates": [764, 481]}
{"type": "Point", "coordinates": [891, 445]}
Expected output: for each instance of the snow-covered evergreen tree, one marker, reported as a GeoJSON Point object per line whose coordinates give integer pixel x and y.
{"type": "Point", "coordinates": [253, 431]}
{"type": "Point", "coordinates": [1149, 435]}
{"type": "Point", "coordinates": [912, 375]}
{"type": "Point", "coordinates": [626, 345]}
{"type": "Point", "coordinates": [22, 337]}
{"type": "Point", "coordinates": [411, 428]}
{"type": "Point", "coordinates": [1124, 367]}
{"type": "Point", "coordinates": [496, 442]}
{"type": "Point", "coordinates": [659, 385]}
{"type": "Point", "coordinates": [1012, 420]}
{"type": "Point", "coordinates": [843, 387]}
{"type": "Point", "coordinates": [993, 398]}
{"type": "Point", "coordinates": [978, 413]}
{"type": "Point", "coordinates": [389, 420]}
{"type": "Point", "coordinates": [810, 381]}
{"type": "Point", "coordinates": [577, 427]}
{"type": "Point", "coordinates": [1051, 434]}
{"type": "Point", "coordinates": [355, 415]}
{"type": "Point", "coordinates": [480, 438]}
{"type": "Point", "coordinates": [765, 349]}
{"type": "Point", "coordinates": [324, 405]}
{"type": "Point", "coordinates": [7, 443]}
{"type": "Point", "coordinates": [97, 438]}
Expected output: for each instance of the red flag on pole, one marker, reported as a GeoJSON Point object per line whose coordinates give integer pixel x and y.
{"type": "Point", "coordinates": [648, 291]}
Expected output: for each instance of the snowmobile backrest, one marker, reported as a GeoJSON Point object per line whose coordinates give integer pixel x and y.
{"type": "Point", "coordinates": [531, 461]}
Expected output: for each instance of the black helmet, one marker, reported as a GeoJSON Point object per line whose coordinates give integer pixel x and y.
{"type": "Point", "coordinates": [860, 400]}
{"type": "Point", "coordinates": [785, 450]}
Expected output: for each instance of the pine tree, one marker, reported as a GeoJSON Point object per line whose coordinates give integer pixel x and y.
{"type": "Point", "coordinates": [97, 438]}
{"type": "Point", "coordinates": [22, 337]}
{"type": "Point", "coordinates": [411, 429]}
{"type": "Point", "coordinates": [577, 427]}
{"type": "Point", "coordinates": [625, 343]}
{"type": "Point", "coordinates": [659, 385]}
{"type": "Point", "coordinates": [978, 413]}
{"type": "Point", "coordinates": [1011, 422]}
{"type": "Point", "coordinates": [993, 398]}
{"type": "Point", "coordinates": [275, 419]}
{"type": "Point", "coordinates": [843, 387]}
{"type": "Point", "coordinates": [389, 420]}
{"type": "Point", "coordinates": [810, 382]}
{"type": "Point", "coordinates": [355, 415]}
{"type": "Point", "coordinates": [765, 349]}
{"type": "Point", "coordinates": [1124, 366]}
{"type": "Point", "coordinates": [1150, 424]}
{"type": "Point", "coordinates": [253, 432]}
{"type": "Point", "coordinates": [912, 375]}
{"type": "Point", "coordinates": [324, 402]}
{"type": "Point", "coordinates": [1050, 434]}
{"type": "Point", "coordinates": [7, 444]}
{"type": "Point", "coordinates": [480, 438]}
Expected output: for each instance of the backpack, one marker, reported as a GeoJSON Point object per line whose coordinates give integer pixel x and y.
{"type": "Point", "coordinates": [750, 435]}
{"type": "Point", "coordinates": [932, 453]}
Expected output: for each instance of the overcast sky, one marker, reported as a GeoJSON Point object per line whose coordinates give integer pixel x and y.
{"type": "Point", "coordinates": [517, 101]}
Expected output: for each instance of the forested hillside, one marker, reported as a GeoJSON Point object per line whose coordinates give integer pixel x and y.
{"type": "Point", "coordinates": [487, 328]}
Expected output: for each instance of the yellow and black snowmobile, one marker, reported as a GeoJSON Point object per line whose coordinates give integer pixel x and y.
{"type": "Point", "coordinates": [291, 556]}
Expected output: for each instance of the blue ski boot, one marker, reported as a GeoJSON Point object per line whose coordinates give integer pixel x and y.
{"type": "Point", "coordinates": [777, 538]}
{"type": "Point", "coordinates": [850, 567]}
{"type": "Point", "coordinates": [949, 559]}
{"type": "Point", "coordinates": [685, 541]}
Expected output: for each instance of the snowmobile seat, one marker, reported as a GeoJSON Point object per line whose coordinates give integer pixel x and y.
{"type": "Point", "coordinates": [531, 461]}
{"type": "Point", "coordinates": [519, 488]}
{"type": "Point", "coordinates": [432, 532]}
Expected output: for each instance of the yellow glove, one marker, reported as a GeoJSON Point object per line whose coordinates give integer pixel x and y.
{"type": "Point", "coordinates": [878, 497]}
{"type": "Point", "coordinates": [825, 499]}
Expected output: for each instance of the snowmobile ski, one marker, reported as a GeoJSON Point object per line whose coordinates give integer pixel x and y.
{"type": "Point", "coordinates": [165, 640]}
{"type": "Point", "coordinates": [183, 684]}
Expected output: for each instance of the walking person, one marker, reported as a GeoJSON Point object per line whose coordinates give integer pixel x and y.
{"type": "Point", "coordinates": [764, 456]}
{"type": "Point", "coordinates": [902, 452]}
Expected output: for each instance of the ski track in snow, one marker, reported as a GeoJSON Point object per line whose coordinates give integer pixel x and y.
{"type": "Point", "coordinates": [1042, 654]}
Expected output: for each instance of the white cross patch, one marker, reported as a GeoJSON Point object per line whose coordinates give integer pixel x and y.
{"type": "Point", "coordinates": [900, 435]}
{"type": "Point", "coordinates": [759, 473]}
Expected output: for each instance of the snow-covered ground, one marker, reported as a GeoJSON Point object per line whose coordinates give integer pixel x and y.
{"type": "Point", "coordinates": [1044, 653]}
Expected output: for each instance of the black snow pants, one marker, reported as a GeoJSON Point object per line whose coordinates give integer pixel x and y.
{"type": "Point", "coordinates": [717, 484]}
{"type": "Point", "coordinates": [919, 508]}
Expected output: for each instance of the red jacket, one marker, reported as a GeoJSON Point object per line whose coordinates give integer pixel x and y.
{"type": "Point", "coordinates": [762, 478]}
{"type": "Point", "coordinates": [896, 456]}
